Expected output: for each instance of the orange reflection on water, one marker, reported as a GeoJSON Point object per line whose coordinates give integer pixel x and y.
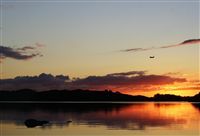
{"type": "Point", "coordinates": [110, 119]}
{"type": "Point", "coordinates": [144, 115]}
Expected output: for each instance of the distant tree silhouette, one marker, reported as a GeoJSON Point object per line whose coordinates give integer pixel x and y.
{"type": "Point", "coordinates": [167, 97]}
{"type": "Point", "coordinates": [86, 95]}
{"type": "Point", "coordinates": [195, 98]}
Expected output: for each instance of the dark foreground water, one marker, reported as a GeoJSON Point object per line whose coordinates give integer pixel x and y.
{"type": "Point", "coordinates": [102, 119]}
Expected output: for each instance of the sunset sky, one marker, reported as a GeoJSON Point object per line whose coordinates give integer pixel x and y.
{"type": "Point", "coordinates": [101, 45]}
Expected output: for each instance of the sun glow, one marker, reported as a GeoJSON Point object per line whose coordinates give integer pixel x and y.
{"type": "Point", "coordinates": [184, 89]}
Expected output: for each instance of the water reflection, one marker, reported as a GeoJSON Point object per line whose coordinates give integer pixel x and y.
{"type": "Point", "coordinates": [127, 116]}
{"type": "Point", "coordinates": [196, 105]}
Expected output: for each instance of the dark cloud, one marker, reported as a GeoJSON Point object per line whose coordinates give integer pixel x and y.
{"type": "Point", "coordinates": [128, 73]}
{"type": "Point", "coordinates": [119, 80]}
{"type": "Point", "coordinates": [26, 48]}
{"type": "Point", "coordinates": [191, 41]}
{"type": "Point", "coordinates": [126, 82]}
{"type": "Point", "coordinates": [18, 53]}
{"type": "Point", "coordinates": [132, 79]}
{"type": "Point", "coordinates": [62, 77]}
{"type": "Point", "coordinates": [174, 74]}
{"type": "Point", "coordinates": [169, 46]}
{"type": "Point", "coordinates": [186, 42]}
{"type": "Point", "coordinates": [41, 82]}
{"type": "Point", "coordinates": [137, 49]}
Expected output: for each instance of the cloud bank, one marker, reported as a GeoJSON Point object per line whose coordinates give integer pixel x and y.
{"type": "Point", "coordinates": [124, 80]}
{"type": "Point", "coordinates": [186, 42]}
{"type": "Point", "coordinates": [41, 82]}
{"type": "Point", "coordinates": [132, 79]}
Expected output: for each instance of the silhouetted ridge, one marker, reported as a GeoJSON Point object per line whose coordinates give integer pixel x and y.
{"type": "Point", "coordinates": [168, 97]}
{"type": "Point", "coordinates": [195, 98]}
{"type": "Point", "coordinates": [86, 95]}
{"type": "Point", "coordinates": [67, 95]}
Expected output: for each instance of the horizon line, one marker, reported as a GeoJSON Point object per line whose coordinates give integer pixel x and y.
{"type": "Point", "coordinates": [90, 102]}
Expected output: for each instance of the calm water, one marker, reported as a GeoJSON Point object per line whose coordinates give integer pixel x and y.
{"type": "Point", "coordinates": [106, 119]}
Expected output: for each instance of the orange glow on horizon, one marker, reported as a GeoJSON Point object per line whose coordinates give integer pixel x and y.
{"type": "Point", "coordinates": [165, 89]}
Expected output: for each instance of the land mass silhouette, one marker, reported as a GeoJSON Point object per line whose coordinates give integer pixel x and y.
{"type": "Point", "coordinates": [86, 95]}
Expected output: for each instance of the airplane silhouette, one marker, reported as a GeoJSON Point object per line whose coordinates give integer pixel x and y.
{"type": "Point", "coordinates": [151, 57]}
